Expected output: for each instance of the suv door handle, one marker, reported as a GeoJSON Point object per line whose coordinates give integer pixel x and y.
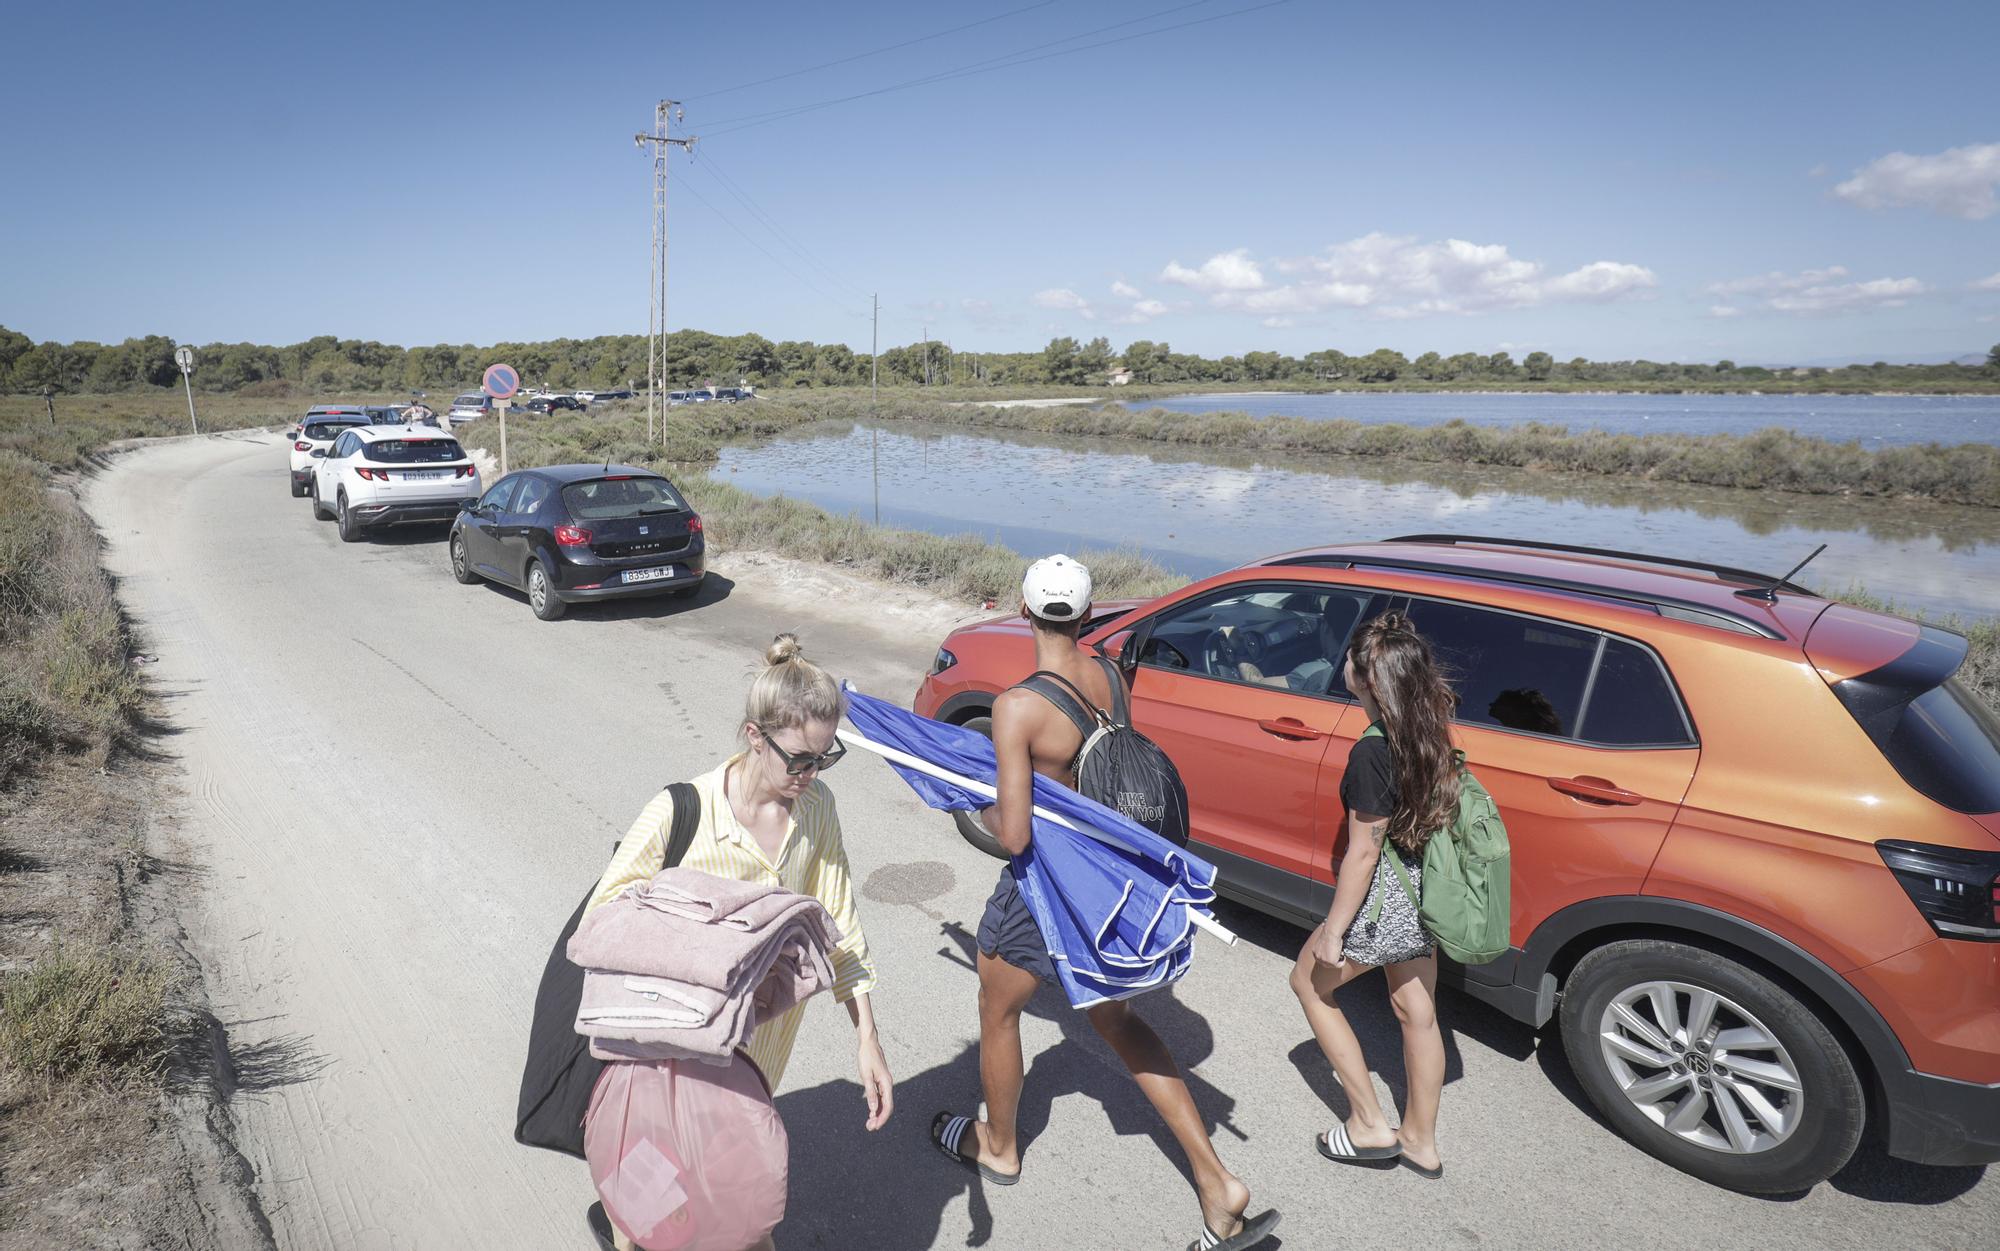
{"type": "Point", "coordinates": [1596, 790]}
{"type": "Point", "coordinates": [1290, 727]}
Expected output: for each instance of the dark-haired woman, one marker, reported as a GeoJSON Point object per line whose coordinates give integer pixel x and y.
{"type": "Point", "coordinates": [1401, 786]}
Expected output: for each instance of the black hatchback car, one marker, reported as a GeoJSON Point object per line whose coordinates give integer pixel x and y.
{"type": "Point", "coordinates": [573, 534]}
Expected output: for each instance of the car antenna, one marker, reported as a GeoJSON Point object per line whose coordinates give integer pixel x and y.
{"type": "Point", "coordinates": [1769, 594]}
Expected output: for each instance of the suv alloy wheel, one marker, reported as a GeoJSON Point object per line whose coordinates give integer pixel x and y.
{"type": "Point", "coordinates": [350, 526]}
{"type": "Point", "coordinates": [1711, 1066]}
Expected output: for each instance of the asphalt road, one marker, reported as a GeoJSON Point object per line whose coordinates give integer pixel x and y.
{"type": "Point", "coordinates": [397, 787]}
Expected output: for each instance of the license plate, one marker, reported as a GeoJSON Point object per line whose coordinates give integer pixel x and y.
{"type": "Point", "coordinates": [423, 475]}
{"type": "Point", "coordinates": [649, 575]}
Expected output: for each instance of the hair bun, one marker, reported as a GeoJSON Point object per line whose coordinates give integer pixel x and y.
{"type": "Point", "coordinates": [784, 648]}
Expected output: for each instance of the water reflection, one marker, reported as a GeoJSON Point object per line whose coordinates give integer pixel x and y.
{"type": "Point", "coordinates": [1202, 510]}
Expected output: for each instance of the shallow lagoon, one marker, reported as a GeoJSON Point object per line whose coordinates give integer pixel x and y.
{"type": "Point", "coordinates": [1200, 514]}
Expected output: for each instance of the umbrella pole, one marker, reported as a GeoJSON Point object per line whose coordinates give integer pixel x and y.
{"type": "Point", "coordinates": [925, 767]}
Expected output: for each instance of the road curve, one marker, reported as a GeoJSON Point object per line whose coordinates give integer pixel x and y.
{"type": "Point", "coordinates": [396, 788]}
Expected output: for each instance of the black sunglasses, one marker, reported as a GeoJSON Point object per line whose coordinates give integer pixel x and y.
{"type": "Point", "coordinates": [802, 762]}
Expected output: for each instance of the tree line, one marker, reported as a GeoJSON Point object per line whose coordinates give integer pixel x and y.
{"type": "Point", "coordinates": [329, 364]}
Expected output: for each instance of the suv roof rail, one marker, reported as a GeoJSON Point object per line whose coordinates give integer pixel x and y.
{"type": "Point", "coordinates": [1665, 605]}
{"type": "Point", "coordinates": [1761, 581]}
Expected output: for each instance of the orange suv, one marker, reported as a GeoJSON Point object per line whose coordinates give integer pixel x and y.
{"type": "Point", "coordinates": [1756, 833]}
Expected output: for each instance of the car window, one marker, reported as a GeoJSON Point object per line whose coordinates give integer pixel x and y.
{"type": "Point", "coordinates": [620, 496]}
{"type": "Point", "coordinates": [499, 493]}
{"type": "Point", "coordinates": [1939, 736]}
{"type": "Point", "coordinates": [535, 492]}
{"type": "Point", "coordinates": [343, 446]}
{"type": "Point", "coordinates": [469, 401]}
{"type": "Point", "coordinates": [1513, 672]}
{"type": "Point", "coordinates": [324, 430]}
{"type": "Point", "coordinates": [1632, 701]}
{"type": "Point", "coordinates": [1291, 637]}
{"type": "Point", "coordinates": [414, 451]}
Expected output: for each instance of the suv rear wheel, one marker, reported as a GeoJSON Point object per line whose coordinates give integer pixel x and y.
{"type": "Point", "coordinates": [350, 525]}
{"type": "Point", "coordinates": [1710, 1066]}
{"type": "Point", "coordinates": [970, 827]}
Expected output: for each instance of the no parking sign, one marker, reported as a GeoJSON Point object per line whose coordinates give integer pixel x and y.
{"type": "Point", "coordinates": [501, 381]}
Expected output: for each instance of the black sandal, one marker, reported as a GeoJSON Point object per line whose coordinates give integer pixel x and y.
{"type": "Point", "coordinates": [1335, 1145]}
{"type": "Point", "coordinates": [948, 1134]}
{"type": "Point", "coordinates": [1255, 1230]}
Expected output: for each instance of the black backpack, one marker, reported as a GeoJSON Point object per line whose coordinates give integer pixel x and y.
{"type": "Point", "coordinates": [560, 1074]}
{"type": "Point", "coordinates": [1118, 766]}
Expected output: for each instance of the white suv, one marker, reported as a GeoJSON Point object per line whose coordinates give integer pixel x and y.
{"type": "Point", "coordinates": [311, 440]}
{"type": "Point", "coordinates": [391, 476]}
{"type": "Point", "coordinates": [469, 407]}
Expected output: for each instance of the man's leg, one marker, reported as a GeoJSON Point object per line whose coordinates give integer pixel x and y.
{"type": "Point", "coordinates": [1223, 1197]}
{"type": "Point", "coordinates": [1004, 992]}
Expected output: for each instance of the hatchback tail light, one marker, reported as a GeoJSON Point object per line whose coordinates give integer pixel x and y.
{"type": "Point", "coordinates": [572, 536]}
{"type": "Point", "coordinates": [1958, 891]}
{"type": "Point", "coordinates": [302, 446]}
{"type": "Point", "coordinates": [694, 524]}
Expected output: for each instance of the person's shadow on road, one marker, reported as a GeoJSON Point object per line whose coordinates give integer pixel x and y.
{"type": "Point", "coordinates": [888, 1191]}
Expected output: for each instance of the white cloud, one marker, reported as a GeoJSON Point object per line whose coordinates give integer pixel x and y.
{"type": "Point", "coordinates": [976, 307]}
{"type": "Point", "coordinates": [1396, 276]}
{"type": "Point", "coordinates": [1277, 323]}
{"type": "Point", "coordinates": [1958, 182]}
{"type": "Point", "coordinates": [1987, 284]}
{"type": "Point", "coordinates": [1125, 290]}
{"type": "Point", "coordinates": [1065, 299]}
{"type": "Point", "coordinates": [1227, 271]}
{"type": "Point", "coordinates": [1819, 171]}
{"type": "Point", "coordinates": [1143, 311]}
{"type": "Point", "coordinates": [1815, 291]}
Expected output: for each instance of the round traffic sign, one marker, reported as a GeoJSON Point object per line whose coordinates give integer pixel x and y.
{"type": "Point", "coordinates": [501, 381]}
{"type": "Point", "coordinates": [184, 357]}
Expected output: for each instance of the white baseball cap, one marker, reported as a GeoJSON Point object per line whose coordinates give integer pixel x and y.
{"type": "Point", "coordinates": [1056, 588]}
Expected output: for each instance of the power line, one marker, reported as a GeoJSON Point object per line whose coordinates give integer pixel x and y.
{"type": "Point", "coordinates": [1005, 61]}
{"type": "Point", "coordinates": [778, 232]}
{"type": "Point", "coordinates": [862, 56]}
{"type": "Point", "coordinates": [689, 187]}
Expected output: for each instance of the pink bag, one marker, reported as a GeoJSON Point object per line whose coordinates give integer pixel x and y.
{"type": "Point", "coordinates": [687, 1156]}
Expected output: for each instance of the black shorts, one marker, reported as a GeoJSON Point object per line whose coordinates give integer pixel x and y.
{"type": "Point", "coordinates": [1007, 931]}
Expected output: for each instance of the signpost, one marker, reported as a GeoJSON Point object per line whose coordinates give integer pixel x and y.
{"type": "Point", "coordinates": [184, 357]}
{"type": "Point", "coordinates": [501, 382]}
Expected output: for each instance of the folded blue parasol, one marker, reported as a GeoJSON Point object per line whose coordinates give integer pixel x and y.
{"type": "Point", "coordinates": [1117, 904]}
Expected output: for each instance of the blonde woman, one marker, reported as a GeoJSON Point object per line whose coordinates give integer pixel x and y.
{"type": "Point", "coordinates": [766, 816]}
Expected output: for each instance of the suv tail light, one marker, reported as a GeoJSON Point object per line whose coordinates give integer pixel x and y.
{"type": "Point", "coordinates": [468, 471]}
{"type": "Point", "coordinates": [302, 446]}
{"type": "Point", "coordinates": [1958, 891]}
{"type": "Point", "coordinates": [572, 536]}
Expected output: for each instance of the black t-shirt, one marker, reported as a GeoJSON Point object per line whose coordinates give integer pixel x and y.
{"type": "Point", "coordinates": [1369, 785]}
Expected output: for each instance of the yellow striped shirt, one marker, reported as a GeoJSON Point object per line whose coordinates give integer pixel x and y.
{"type": "Point", "coordinates": [812, 862]}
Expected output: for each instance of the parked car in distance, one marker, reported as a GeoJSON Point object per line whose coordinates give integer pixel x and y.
{"type": "Point", "coordinates": [604, 396]}
{"type": "Point", "coordinates": [583, 397]}
{"type": "Point", "coordinates": [325, 410]}
{"type": "Point", "coordinates": [470, 406]}
{"type": "Point", "coordinates": [731, 395]}
{"type": "Point", "coordinates": [552, 404]}
{"type": "Point", "coordinates": [311, 439]}
{"type": "Point", "coordinates": [376, 476]}
{"type": "Point", "coordinates": [1756, 834]}
{"type": "Point", "coordinates": [575, 534]}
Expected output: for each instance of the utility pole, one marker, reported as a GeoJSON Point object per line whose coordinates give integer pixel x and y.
{"type": "Point", "coordinates": [874, 396]}
{"type": "Point", "coordinates": [874, 338]}
{"type": "Point", "coordinates": [927, 355]}
{"type": "Point", "coordinates": [664, 114]}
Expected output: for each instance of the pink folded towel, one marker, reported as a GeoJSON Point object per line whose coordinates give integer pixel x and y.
{"type": "Point", "coordinates": [696, 1021]}
{"type": "Point", "coordinates": [630, 934]}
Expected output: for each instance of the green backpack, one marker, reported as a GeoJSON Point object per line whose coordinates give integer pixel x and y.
{"type": "Point", "coordinates": [1464, 904]}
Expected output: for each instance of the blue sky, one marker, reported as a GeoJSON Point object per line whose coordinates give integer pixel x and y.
{"type": "Point", "coordinates": [1773, 182]}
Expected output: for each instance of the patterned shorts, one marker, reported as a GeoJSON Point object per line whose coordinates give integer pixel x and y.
{"type": "Point", "coordinates": [1396, 935]}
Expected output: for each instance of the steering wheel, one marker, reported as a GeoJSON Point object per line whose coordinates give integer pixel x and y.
{"type": "Point", "coordinates": [1249, 644]}
{"type": "Point", "coordinates": [1217, 656]}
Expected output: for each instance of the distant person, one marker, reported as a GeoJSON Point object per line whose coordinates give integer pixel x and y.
{"type": "Point", "coordinates": [1400, 787]}
{"type": "Point", "coordinates": [419, 414]}
{"type": "Point", "coordinates": [767, 816]}
{"type": "Point", "coordinates": [1031, 735]}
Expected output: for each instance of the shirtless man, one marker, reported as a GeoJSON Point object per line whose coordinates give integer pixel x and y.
{"type": "Point", "coordinates": [1030, 736]}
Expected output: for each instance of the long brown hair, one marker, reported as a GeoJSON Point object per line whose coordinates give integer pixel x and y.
{"type": "Point", "coordinates": [1415, 704]}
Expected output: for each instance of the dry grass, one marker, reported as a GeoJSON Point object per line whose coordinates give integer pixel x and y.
{"type": "Point", "coordinates": [96, 1013]}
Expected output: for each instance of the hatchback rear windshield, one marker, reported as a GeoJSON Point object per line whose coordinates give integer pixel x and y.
{"type": "Point", "coordinates": [1940, 737]}
{"type": "Point", "coordinates": [414, 451]}
{"type": "Point", "coordinates": [469, 401]}
{"type": "Point", "coordinates": [330, 429]}
{"type": "Point", "coordinates": [613, 499]}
